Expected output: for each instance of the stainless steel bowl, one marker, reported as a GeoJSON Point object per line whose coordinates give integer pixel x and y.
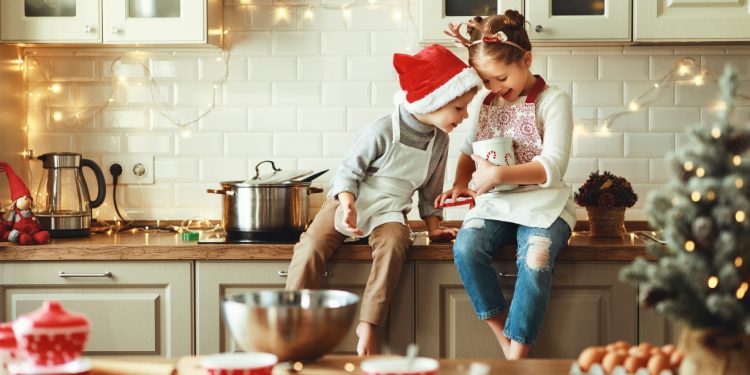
{"type": "Point", "coordinates": [293, 325]}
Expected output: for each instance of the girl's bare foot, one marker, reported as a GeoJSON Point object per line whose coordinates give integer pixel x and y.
{"type": "Point", "coordinates": [367, 344]}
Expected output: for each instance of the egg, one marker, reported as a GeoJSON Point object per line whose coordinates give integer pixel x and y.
{"type": "Point", "coordinates": [676, 358]}
{"type": "Point", "coordinates": [621, 344]}
{"type": "Point", "coordinates": [655, 350]}
{"type": "Point", "coordinates": [610, 347]}
{"type": "Point", "coordinates": [668, 349]}
{"type": "Point", "coordinates": [632, 364]}
{"type": "Point", "coordinates": [645, 346]}
{"type": "Point", "coordinates": [612, 360]}
{"type": "Point", "coordinates": [591, 355]}
{"type": "Point", "coordinates": [657, 363]}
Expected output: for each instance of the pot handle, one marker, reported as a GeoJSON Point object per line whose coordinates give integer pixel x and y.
{"type": "Point", "coordinates": [220, 191]}
{"type": "Point", "coordinates": [257, 168]}
{"type": "Point", "coordinates": [314, 190]}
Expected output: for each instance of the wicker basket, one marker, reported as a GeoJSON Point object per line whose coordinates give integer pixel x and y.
{"type": "Point", "coordinates": [606, 221]}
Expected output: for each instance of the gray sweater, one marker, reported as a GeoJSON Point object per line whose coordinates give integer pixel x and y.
{"type": "Point", "coordinates": [366, 158]}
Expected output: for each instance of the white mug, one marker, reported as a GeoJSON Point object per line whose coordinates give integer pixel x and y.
{"type": "Point", "coordinates": [498, 151]}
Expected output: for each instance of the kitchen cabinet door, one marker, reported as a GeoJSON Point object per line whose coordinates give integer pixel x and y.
{"type": "Point", "coordinates": [134, 308]}
{"type": "Point", "coordinates": [656, 329]}
{"type": "Point", "coordinates": [578, 20]}
{"type": "Point", "coordinates": [139, 21]}
{"type": "Point", "coordinates": [215, 280]}
{"type": "Point", "coordinates": [57, 21]}
{"type": "Point", "coordinates": [691, 20]}
{"type": "Point", "coordinates": [588, 306]}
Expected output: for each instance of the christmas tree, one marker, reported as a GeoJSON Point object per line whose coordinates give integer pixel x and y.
{"type": "Point", "coordinates": [701, 275]}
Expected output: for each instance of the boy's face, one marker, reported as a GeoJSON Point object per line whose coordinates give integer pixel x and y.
{"type": "Point", "coordinates": [450, 115]}
{"type": "Point", "coordinates": [506, 80]}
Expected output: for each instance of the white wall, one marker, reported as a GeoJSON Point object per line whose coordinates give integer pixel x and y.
{"type": "Point", "coordinates": [299, 90]}
{"type": "Point", "coordinates": [12, 112]}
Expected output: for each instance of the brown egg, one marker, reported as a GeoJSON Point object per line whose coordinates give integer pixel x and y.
{"type": "Point", "coordinates": [632, 364]}
{"type": "Point", "coordinates": [645, 346]}
{"type": "Point", "coordinates": [676, 358]}
{"type": "Point", "coordinates": [655, 350]}
{"type": "Point", "coordinates": [622, 351]}
{"type": "Point", "coordinates": [610, 347]}
{"type": "Point", "coordinates": [633, 350]}
{"type": "Point", "coordinates": [621, 344]}
{"type": "Point", "coordinates": [611, 360]}
{"type": "Point", "coordinates": [657, 363]}
{"type": "Point", "coordinates": [591, 355]}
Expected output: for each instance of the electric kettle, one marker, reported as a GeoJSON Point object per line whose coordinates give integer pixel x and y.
{"type": "Point", "coordinates": [62, 204]}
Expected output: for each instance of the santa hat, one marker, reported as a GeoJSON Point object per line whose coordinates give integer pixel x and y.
{"type": "Point", "coordinates": [432, 78]}
{"type": "Point", "coordinates": [17, 188]}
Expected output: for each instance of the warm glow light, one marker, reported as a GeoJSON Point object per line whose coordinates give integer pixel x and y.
{"type": "Point", "coordinates": [711, 195]}
{"type": "Point", "coordinates": [122, 78]}
{"type": "Point", "coordinates": [349, 367]}
{"type": "Point", "coordinates": [298, 366]}
{"type": "Point", "coordinates": [736, 160]}
{"type": "Point", "coordinates": [739, 183]}
{"type": "Point", "coordinates": [656, 85]}
{"type": "Point", "coordinates": [742, 290]}
{"type": "Point", "coordinates": [738, 262]}
{"type": "Point", "coordinates": [186, 133]}
{"type": "Point", "coordinates": [716, 133]}
{"type": "Point", "coordinates": [700, 172]}
{"type": "Point", "coordinates": [689, 246]}
{"type": "Point", "coordinates": [698, 80]}
{"type": "Point", "coordinates": [308, 15]}
{"type": "Point", "coordinates": [688, 165]}
{"type": "Point", "coordinates": [282, 13]}
{"type": "Point", "coordinates": [396, 14]}
{"type": "Point", "coordinates": [57, 116]}
{"type": "Point", "coordinates": [55, 88]}
{"type": "Point", "coordinates": [713, 282]}
{"type": "Point", "coordinates": [739, 216]}
{"type": "Point", "coordinates": [346, 12]}
{"type": "Point", "coordinates": [696, 196]}
{"type": "Point", "coordinates": [633, 106]}
{"type": "Point", "coordinates": [683, 69]}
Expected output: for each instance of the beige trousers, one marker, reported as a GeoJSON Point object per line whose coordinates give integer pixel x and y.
{"type": "Point", "coordinates": [389, 241]}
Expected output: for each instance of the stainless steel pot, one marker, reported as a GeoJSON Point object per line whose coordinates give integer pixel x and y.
{"type": "Point", "coordinates": [256, 211]}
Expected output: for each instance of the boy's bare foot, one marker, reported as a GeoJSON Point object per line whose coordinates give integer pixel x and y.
{"type": "Point", "coordinates": [367, 344]}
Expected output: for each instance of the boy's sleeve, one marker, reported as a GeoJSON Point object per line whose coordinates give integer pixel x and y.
{"type": "Point", "coordinates": [557, 112]}
{"type": "Point", "coordinates": [369, 146]}
{"type": "Point", "coordinates": [433, 187]}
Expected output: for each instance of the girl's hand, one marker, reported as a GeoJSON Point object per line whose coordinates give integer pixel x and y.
{"type": "Point", "coordinates": [453, 193]}
{"type": "Point", "coordinates": [487, 175]}
{"type": "Point", "coordinates": [348, 215]}
{"type": "Point", "coordinates": [443, 234]}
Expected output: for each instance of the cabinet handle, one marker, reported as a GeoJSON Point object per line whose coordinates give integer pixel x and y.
{"type": "Point", "coordinates": [501, 274]}
{"type": "Point", "coordinates": [86, 29]}
{"type": "Point", "coordinates": [115, 31]}
{"type": "Point", "coordinates": [103, 274]}
{"type": "Point", "coordinates": [286, 274]}
{"type": "Point", "coordinates": [539, 28]}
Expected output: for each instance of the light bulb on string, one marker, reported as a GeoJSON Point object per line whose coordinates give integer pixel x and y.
{"type": "Point", "coordinates": [713, 282]}
{"type": "Point", "coordinates": [633, 106]}
{"type": "Point", "coordinates": [742, 290]}
{"type": "Point", "coordinates": [396, 14]}
{"type": "Point", "coordinates": [698, 80]}
{"type": "Point", "coordinates": [308, 14]}
{"type": "Point", "coordinates": [716, 133]}
{"type": "Point", "coordinates": [282, 14]}
{"type": "Point", "coordinates": [55, 88]}
{"type": "Point", "coordinates": [57, 116]}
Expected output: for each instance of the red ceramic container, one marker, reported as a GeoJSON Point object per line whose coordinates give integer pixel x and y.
{"type": "Point", "coordinates": [51, 336]}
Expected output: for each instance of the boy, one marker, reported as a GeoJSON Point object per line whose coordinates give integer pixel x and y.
{"type": "Point", "coordinates": [371, 192]}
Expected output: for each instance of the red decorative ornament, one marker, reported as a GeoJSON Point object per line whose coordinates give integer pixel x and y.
{"type": "Point", "coordinates": [51, 336]}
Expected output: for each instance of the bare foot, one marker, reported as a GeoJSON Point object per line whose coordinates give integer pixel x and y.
{"type": "Point", "coordinates": [367, 344]}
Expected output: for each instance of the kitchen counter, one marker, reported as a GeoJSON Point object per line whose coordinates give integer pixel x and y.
{"type": "Point", "coordinates": [169, 246]}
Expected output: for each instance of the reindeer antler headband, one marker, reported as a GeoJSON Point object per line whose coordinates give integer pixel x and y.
{"type": "Point", "coordinates": [454, 31]}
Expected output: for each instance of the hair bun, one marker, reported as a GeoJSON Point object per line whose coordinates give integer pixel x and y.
{"type": "Point", "coordinates": [514, 19]}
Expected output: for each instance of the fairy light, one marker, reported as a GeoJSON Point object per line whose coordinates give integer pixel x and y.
{"type": "Point", "coordinates": [308, 14]}
{"type": "Point", "coordinates": [713, 282]}
{"type": "Point", "coordinates": [738, 262]}
{"type": "Point", "coordinates": [396, 14]}
{"type": "Point", "coordinates": [736, 160]}
{"type": "Point", "coordinates": [346, 12]}
{"type": "Point", "coordinates": [683, 69]}
{"type": "Point", "coordinates": [688, 165]}
{"type": "Point", "coordinates": [698, 80]}
{"type": "Point", "coordinates": [57, 116]}
{"type": "Point", "coordinates": [633, 106]}
{"type": "Point", "coordinates": [711, 195]}
{"type": "Point", "coordinates": [689, 246]}
{"type": "Point", "coordinates": [298, 366]}
{"type": "Point", "coordinates": [282, 13]}
{"type": "Point", "coordinates": [739, 216]}
{"type": "Point", "coordinates": [742, 290]}
{"type": "Point", "coordinates": [716, 132]}
{"type": "Point", "coordinates": [56, 88]}
{"type": "Point", "coordinates": [695, 196]}
{"type": "Point", "coordinates": [349, 367]}
{"type": "Point", "coordinates": [739, 183]}
{"type": "Point", "coordinates": [700, 172]}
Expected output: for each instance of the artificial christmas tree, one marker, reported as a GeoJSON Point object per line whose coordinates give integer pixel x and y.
{"type": "Point", "coordinates": [701, 276]}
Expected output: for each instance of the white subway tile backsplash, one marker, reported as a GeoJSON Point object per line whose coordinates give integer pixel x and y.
{"type": "Point", "coordinates": [222, 169]}
{"type": "Point", "coordinates": [346, 93]}
{"type": "Point", "coordinates": [710, 115]}
{"type": "Point", "coordinates": [579, 169]}
{"type": "Point", "coordinates": [43, 143]}
{"type": "Point", "coordinates": [138, 93]}
{"type": "Point", "coordinates": [338, 144]}
{"type": "Point", "coordinates": [539, 66]}
{"type": "Point", "coordinates": [72, 69]}
{"type": "Point", "coordinates": [295, 43]}
{"type": "Point", "coordinates": [272, 68]}
{"type": "Point", "coordinates": [194, 195]}
{"type": "Point", "coordinates": [226, 119]}
{"type": "Point", "coordinates": [98, 143]}
{"type": "Point", "coordinates": [715, 64]}
{"type": "Point", "coordinates": [690, 94]}
{"type": "Point", "coordinates": [639, 145]}
{"type": "Point", "coordinates": [383, 92]}
{"type": "Point", "coordinates": [176, 169]}
{"type": "Point", "coordinates": [273, 18]}
{"type": "Point", "coordinates": [196, 94]}
{"type": "Point", "coordinates": [249, 43]}
{"type": "Point", "coordinates": [658, 171]}
{"type": "Point", "coordinates": [177, 69]}
{"type": "Point", "coordinates": [660, 66]}
{"type": "Point", "coordinates": [319, 164]}
{"type": "Point", "coordinates": [345, 43]}
{"type": "Point", "coordinates": [124, 119]}
{"type": "Point", "coordinates": [634, 170]}
{"type": "Point", "coordinates": [321, 119]}
{"type": "Point", "coordinates": [600, 144]}
{"type": "Point", "coordinates": [571, 67]}
{"type": "Point", "coordinates": [273, 119]}
{"type": "Point", "coordinates": [371, 69]}
{"type": "Point", "coordinates": [321, 68]}
{"type": "Point", "coordinates": [167, 120]}
{"type": "Point", "coordinates": [358, 118]}
{"type": "Point", "coordinates": [248, 144]}
{"type": "Point", "coordinates": [376, 18]}
{"type": "Point", "coordinates": [88, 93]}
{"type": "Point", "coordinates": [320, 19]}
{"type": "Point", "coordinates": [297, 93]}
{"type": "Point", "coordinates": [673, 119]}
{"type": "Point", "coordinates": [159, 195]}
{"type": "Point", "coordinates": [247, 93]}
{"type": "Point", "coordinates": [661, 96]}
{"type": "Point", "coordinates": [386, 43]}
{"type": "Point", "coordinates": [149, 143]}
{"type": "Point", "coordinates": [613, 68]}
{"type": "Point", "coordinates": [599, 93]}
{"type": "Point", "coordinates": [631, 121]}
{"type": "Point", "coordinates": [297, 144]}
{"type": "Point", "coordinates": [213, 68]}
{"type": "Point", "coordinates": [199, 144]}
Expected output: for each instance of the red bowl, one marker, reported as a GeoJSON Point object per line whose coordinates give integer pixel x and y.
{"type": "Point", "coordinates": [239, 364]}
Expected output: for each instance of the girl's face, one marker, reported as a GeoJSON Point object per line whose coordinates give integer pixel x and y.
{"type": "Point", "coordinates": [450, 115]}
{"type": "Point", "coordinates": [507, 80]}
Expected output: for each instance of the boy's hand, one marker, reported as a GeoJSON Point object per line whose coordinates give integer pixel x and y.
{"type": "Point", "coordinates": [443, 234]}
{"type": "Point", "coordinates": [348, 215]}
{"type": "Point", "coordinates": [487, 175]}
{"type": "Point", "coordinates": [452, 194]}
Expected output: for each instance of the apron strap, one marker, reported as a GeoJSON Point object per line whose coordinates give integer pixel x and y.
{"type": "Point", "coordinates": [489, 98]}
{"type": "Point", "coordinates": [538, 87]}
{"type": "Point", "coordinates": [396, 125]}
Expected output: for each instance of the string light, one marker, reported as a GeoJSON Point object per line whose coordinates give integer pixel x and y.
{"type": "Point", "coordinates": [711, 195]}
{"type": "Point", "coordinates": [739, 216]}
{"type": "Point", "coordinates": [739, 183]}
{"type": "Point", "coordinates": [742, 290]}
{"type": "Point", "coordinates": [738, 262]}
{"type": "Point", "coordinates": [713, 282]}
{"type": "Point", "coordinates": [716, 132]}
{"type": "Point", "coordinates": [736, 160]}
{"type": "Point", "coordinates": [308, 15]}
{"type": "Point", "coordinates": [700, 172]}
{"type": "Point", "coordinates": [689, 246]}
{"type": "Point", "coordinates": [688, 165]}
{"type": "Point", "coordinates": [695, 196]}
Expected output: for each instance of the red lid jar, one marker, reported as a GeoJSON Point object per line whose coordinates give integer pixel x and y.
{"type": "Point", "coordinates": [7, 337]}
{"type": "Point", "coordinates": [50, 335]}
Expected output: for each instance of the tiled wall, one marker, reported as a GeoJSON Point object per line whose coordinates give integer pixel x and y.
{"type": "Point", "coordinates": [298, 90]}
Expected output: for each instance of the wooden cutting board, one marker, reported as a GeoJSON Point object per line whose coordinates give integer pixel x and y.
{"type": "Point", "coordinates": [330, 365]}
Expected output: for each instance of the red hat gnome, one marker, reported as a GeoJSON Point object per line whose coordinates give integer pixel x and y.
{"type": "Point", "coordinates": [22, 227]}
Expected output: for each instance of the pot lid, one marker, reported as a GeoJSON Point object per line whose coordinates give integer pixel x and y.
{"type": "Point", "coordinates": [50, 315]}
{"type": "Point", "coordinates": [275, 176]}
{"type": "Point", "coordinates": [7, 337]}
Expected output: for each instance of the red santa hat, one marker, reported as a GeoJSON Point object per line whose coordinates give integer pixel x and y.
{"type": "Point", "coordinates": [17, 188]}
{"type": "Point", "coordinates": [432, 78]}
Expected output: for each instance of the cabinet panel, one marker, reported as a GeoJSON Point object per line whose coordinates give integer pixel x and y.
{"type": "Point", "coordinates": [137, 21]}
{"type": "Point", "coordinates": [657, 330]}
{"type": "Point", "coordinates": [75, 21]}
{"type": "Point", "coordinates": [590, 20]}
{"type": "Point", "coordinates": [588, 306]}
{"type": "Point", "coordinates": [691, 20]}
{"type": "Point", "coordinates": [218, 279]}
{"type": "Point", "coordinates": [153, 296]}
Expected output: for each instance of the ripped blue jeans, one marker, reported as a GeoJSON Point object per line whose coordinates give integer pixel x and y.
{"type": "Point", "coordinates": [475, 246]}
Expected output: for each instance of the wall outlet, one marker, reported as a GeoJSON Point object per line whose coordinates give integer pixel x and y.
{"type": "Point", "coordinates": [136, 168]}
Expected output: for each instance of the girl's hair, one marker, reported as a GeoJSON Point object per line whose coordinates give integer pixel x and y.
{"type": "Point", "coordinates": [512, 24]}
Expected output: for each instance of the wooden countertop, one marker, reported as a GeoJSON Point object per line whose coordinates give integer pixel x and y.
{"type": "Point", "coordinates": [168, 246]}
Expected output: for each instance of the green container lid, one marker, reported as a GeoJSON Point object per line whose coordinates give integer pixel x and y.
{"type": "Point", "coordinates": [190, 236]}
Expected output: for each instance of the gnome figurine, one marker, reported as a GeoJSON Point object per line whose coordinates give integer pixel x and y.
{"type": "Point", "coordinates": [21, 225]}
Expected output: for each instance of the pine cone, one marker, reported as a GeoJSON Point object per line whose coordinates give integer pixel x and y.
{"type": "Point", "coordinates": [651, 295]}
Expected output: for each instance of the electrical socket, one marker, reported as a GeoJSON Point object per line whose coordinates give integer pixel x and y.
{"type": "Point", "coordinates": [136, 168]}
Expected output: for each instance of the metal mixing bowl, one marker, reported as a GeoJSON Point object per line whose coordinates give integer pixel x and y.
{"type": "Point", "coordinates": [293, 325]}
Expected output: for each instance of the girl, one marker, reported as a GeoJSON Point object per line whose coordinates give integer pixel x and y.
{"type": "Point", "coordinates": [539, 215]}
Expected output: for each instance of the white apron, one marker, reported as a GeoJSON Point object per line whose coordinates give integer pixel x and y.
{"type": "Point", "coordinates": [386, 195]}
{"type": "Point", "coordinates": [528, 205]}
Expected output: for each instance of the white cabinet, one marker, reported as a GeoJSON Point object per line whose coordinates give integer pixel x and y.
{"type": "Point", "coordinates": [112, 21]}
{"type": "Point", "coordinates": [134, 308]}
{"type": "Point", "coordinates": [588, 306]}
{"type": "Point", "coordinates": [691, 20]}
{"type": "Point", "coordinates": [549, 20]}
{"type": "Point", "coordinates": [215, 280]}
